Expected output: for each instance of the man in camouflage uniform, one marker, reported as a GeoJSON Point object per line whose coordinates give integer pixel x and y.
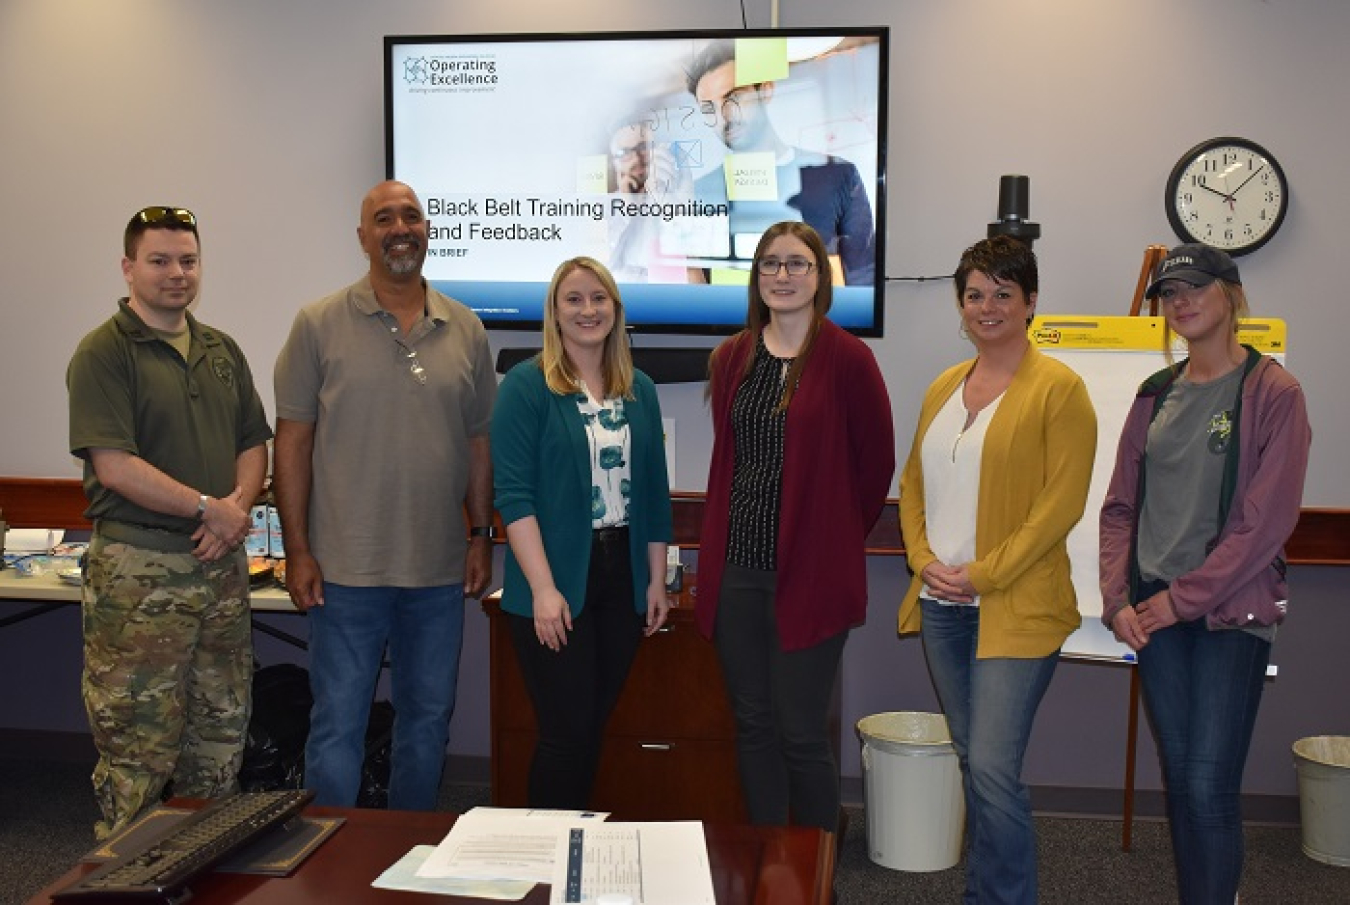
{"type": "Point", "coordinates": [173, 436]}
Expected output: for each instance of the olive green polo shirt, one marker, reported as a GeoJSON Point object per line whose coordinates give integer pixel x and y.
{"type": "Point", "coordinates": [131, 390]}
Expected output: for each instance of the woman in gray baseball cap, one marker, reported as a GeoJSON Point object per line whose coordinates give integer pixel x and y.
{"type": "Point", "coordinates": [1192, 559]}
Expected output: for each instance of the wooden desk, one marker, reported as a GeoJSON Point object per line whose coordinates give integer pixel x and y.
{"type": "Point", "coordinates": [670, 746]}
{"type": "Point", "coordinates": [750, 866]}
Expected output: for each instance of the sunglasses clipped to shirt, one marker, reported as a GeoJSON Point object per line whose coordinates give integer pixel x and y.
{"type": "Point", "coordinates": [151, 216]}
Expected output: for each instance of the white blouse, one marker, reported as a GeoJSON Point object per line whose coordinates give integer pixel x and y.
{"type": "Point", "coordinates": [607, 435]}
{"type": "Point", "coordinates": [951, 455]}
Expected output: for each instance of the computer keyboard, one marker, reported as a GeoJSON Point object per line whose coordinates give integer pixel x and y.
{"type": "Point", "coordinates": [162, 866]}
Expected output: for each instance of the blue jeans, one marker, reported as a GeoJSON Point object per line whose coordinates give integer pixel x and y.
{"type": "Point", "coordinates": [990, 705]}
{"type": "Point", "coordinates": [424, 628]}
{"type": "Point", "coordinates": [1202, 689]}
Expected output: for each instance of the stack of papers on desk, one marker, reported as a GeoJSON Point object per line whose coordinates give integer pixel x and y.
{"type": "Point", "coordinates": [502, 844]}
{"type": "Point", "coordinates": [651, 863]}
{"type": "Point", "coordinates": [490, 853]}
{"type": "Point", "coordinates": [579, 854]}
{"type": "Point", "coordinates": [403, 876]}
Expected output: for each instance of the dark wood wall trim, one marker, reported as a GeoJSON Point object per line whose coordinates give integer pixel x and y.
{"type": "Point", "coordinates": [42, 503]}
{"type": "Point", "coordinates": [1322, 537]}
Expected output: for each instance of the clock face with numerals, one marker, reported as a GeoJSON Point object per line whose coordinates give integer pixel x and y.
{"type": "Point", "coordinates": [1227, 193]}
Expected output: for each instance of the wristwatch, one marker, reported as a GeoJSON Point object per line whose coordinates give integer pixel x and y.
{"type": "Point", "coordinates": [201, 506]}
{"type": "Point", "coordinates": [487, 531]}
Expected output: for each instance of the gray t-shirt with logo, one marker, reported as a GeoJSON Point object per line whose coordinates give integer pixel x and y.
{"type": "Point", "coordinates": [1187, 445]}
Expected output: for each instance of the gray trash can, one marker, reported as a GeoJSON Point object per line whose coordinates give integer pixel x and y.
{"type": "Point", "coordinates": [1323, 765]}
{"type": "Point", "coordinates": [912, 789]}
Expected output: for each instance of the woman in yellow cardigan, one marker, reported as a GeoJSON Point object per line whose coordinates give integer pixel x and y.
{"type": "Point", "coordinates": [997, 476]}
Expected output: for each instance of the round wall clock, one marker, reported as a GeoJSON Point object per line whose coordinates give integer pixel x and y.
{"type": "Point", "coordinates": [1228, 193]}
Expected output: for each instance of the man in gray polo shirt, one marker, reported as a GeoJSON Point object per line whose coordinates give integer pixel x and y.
{"type": "Point", "coordinates": [384, 398]}
{"type": "Point", "coordinates": [173, 437]}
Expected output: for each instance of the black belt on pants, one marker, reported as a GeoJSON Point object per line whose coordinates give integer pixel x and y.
{"type": "Point", "coordinates": [610, 538]}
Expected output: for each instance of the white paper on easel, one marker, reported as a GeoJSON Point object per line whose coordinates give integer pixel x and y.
{"type": "Point", "coordinates": [1113, 356]}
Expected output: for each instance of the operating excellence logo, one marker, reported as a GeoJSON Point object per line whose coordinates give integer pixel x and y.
{"type": "Point", "coordinates": [416, 71]}
{"type": "Point", "coordinates": [450, 73]}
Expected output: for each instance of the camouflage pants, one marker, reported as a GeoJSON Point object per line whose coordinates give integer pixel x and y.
{"type": "Point", "coordinates": [167, 675]}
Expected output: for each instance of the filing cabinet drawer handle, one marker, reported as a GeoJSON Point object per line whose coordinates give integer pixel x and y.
{"type": "Point", "coordinates": [654, 746]}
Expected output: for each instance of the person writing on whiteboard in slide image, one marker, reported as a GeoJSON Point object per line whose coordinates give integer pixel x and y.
{"type": "Point", "coordinates": [997, 476]}
{"type": "Point", "coordinates": [642, 172]}
{"type": "Point", "coordinates": [1206, 489]}
{"type": "Point", "coordinates": [824, 191]}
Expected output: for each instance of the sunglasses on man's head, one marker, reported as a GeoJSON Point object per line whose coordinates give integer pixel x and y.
{"type": "Point", "coordinates": [159, 214]}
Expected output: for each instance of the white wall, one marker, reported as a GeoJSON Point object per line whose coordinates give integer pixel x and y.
{"type": "Point", "coordinates": [266, 119]}
{"type": "Point", "coordinates": [270, 127]}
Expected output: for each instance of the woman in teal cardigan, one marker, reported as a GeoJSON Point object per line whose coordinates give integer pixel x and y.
{"type": "Point", "coordinates": [579, 469]}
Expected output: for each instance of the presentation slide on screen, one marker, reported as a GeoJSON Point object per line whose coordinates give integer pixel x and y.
{"type": "Point", "coordinates": [528, 152]}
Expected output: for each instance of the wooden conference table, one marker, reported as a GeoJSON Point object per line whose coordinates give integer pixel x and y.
{"type": "Point", "coordinates": [750, 865]}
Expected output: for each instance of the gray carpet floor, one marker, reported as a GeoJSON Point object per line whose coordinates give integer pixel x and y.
{"type": "Point", "coordinates": [47, 811]}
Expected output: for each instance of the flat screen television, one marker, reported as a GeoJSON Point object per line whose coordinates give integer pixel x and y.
{"type": "Point", "coordinates": [663, 154]}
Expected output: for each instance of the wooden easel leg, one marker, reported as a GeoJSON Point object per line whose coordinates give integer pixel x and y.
{"type": "Point", "coordinates": [1131, 743]}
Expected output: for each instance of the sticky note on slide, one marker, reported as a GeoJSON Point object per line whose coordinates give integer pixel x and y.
{"type": "Point", "coordinates": [751, 177]}
{"type": "Point", "coordinates": [760, 60]}
{"type": "Point", "coordinates": [729, 276]}
{"type": "Point", "coordinates": [592, 175]}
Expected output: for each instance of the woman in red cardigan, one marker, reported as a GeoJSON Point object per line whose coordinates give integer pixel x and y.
{"type": "Point", "coordinates": [803, 454]}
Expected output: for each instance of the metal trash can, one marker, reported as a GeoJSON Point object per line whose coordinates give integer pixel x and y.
{"type": "Point", "coordinates": [912, 791]}
{"type": "Point", "coordinates": [1323, 765]}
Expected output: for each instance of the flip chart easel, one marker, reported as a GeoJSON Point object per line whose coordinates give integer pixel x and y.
{"type": "Point", "coordinates": [1113, 355]}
